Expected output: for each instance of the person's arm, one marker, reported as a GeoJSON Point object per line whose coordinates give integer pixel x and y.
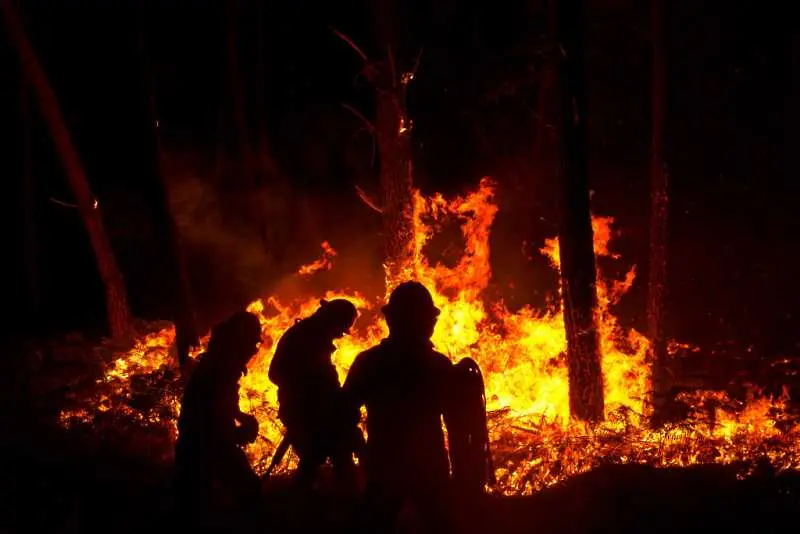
{"type": "Point", "coordinates": [448, 393]}
{"type": "Point", "coordinates": [247, 430]}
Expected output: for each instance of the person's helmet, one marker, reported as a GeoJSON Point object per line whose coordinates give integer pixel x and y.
{"type": "Point", "coordinates": [240, 330]}
{"type": "Point", "coordinates": [340, 313]}
{"type": "Point", "coordinates": [244, 326]}
{"type": "Point", "coordinates": [410, 299]}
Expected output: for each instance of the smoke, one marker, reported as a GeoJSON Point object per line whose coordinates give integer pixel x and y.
{"type": "Point", "coordinates": [232, 260]}
{"type": "Point", "coordinates": [228, 258]}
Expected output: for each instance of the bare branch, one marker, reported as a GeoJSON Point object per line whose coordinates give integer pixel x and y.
{"type": "Point", "coordinates": [368, 201]}
{"type": "Point", "coordinates": [354, 111]}
{"type": "Point", "coordinates": [62, 203]}
{"type": "Point", "coordinates": [349, 41]}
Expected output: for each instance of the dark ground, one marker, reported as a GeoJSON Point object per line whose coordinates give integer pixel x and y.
{"type": "Point", "coordinates": [59, 481]}
{"type": "Point", "coordinates": [51, 486]}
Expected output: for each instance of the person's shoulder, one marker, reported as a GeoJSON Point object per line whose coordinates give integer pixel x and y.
{"type": "Point", "coordinates": [363, 364]}
{"type": "Point", "coordinates": [369, 354]}
{"type": "Point", "coordinates": [441, 361]}
{"type": "Point", "coordinates": [297, 334]}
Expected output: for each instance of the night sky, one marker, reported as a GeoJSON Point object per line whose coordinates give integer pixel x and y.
{"type": "Point", "coordinates": [732, 69]}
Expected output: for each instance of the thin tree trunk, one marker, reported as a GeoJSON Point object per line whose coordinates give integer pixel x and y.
{"type": "Point", "coordinates": [119, 315]}
{"type": "Point", "coordinates": [578, 276]}
{"type": "Point", "coordinates": [266, 167]}
{"type": "Point", "coordinates": [27, 205]}
{"type": "Point", "coordinates": [238, 99]}
{"type": "Point", "coordinates": [238, 94]}
{"type": "Point", "coordinates": [268, 172]}
{"type": "Point", "coordinates": [659, 216]}
{"type": "Point", "coordinates": [186, 334]}
{"type": "Point", "coordinates": [393, 132]}
{"type": "Point", "coordinates": [182, 300]}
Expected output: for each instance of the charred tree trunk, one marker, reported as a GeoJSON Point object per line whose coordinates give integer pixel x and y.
{"type": "Point", "coordinates": [659, 216]}
{"type": "Point", "coordinates": [238, 93]}
{"type": "Point", "coordinates": [546, 164]}
{"type": "Point", "coordinates": [578, 275]}
{"type": "Point", "coordinates": [182, 300]}
{"type": "Point", "coordinates": [393, 133]}
{"type": "Point", "coordinates": [268, 176]}
{"type": "Point", "coordinates": [396, 179]}
{"type": "Point", "coordinates": [255, 210]}
{"type": "Point", "coordinates": [266, 167]}
{"type": "Point", "coordinates": [184, 315]}
{"type": "Point", "coordinates": [27, 205]}
{"type": "Point", "coordinates": [119, 315]}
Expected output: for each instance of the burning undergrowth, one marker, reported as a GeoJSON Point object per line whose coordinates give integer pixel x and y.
{"type": "Point", "coordinates": [522, 355]}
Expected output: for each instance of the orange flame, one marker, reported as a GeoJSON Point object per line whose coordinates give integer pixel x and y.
{"type": "Point", "coordinates": [325, 262]}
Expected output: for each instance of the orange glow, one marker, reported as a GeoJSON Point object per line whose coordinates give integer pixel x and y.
{"type": "Point", "coordinates": [522, 356]}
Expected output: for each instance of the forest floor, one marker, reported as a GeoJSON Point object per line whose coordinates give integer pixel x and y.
{"type": "Point", "coordinates": [54, 480]}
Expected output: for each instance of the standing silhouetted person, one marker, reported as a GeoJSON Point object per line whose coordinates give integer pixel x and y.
{"type": "Point", "coordinates": [405, 385]}
{"type": "Point", "coordinates": [318, 425]}
{"type": "Point", "coordinates": [214, 479]}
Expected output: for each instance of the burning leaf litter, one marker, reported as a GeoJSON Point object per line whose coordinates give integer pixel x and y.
{"type": "Point", "coordinates": [522, 355]}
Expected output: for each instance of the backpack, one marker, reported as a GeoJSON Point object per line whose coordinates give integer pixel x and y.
{"type": "Point", "coordinates": [467, 431]}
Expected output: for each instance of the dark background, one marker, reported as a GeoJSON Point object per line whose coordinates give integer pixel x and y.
{"type": "Point", "coordinates": [732, 87]}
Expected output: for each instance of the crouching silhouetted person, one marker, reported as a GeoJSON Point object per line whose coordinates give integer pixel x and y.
{"type": "Point", "coordinates": [318, 424]}
{"type": "Point", "coordinates": [215, 484]}
{"type": "Point", "coordinates": [405, 385]}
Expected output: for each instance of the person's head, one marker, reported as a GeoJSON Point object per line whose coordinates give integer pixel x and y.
{"type": "Point", "coordinates": [235, 340]}
{"type": "Point", "coordinates": [410, 312]}
{"type": "Point", "coordinates": [336, 316]}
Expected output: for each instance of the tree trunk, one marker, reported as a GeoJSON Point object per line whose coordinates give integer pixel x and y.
{"type": "Point", "coordinates": [181, 299]}
{"type": "Point", "coordinates": [266, 167]}
{"type": "Point", "coordinates": [393, 132]}
{"type": "Point", "coordinates": [119, 315]}
{"type": "Point", "coordinates": [27, 206]}
{"type": "Point", "coordinates": [396, 186]}
{"type": "Point", "coordinates": [578, 276]}
{"type": "Point", "coordinates": [268, 175]}
{"type": "Point", "coordinates": [255, 210]}
{"type": "Point", "coordinates": [184, 315]}
{"type": "Point", "coordinates": [238, 94]}
{"type": "Point", "coordinates": [659, 216]}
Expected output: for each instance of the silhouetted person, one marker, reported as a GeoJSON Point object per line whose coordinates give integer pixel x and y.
{"type": "Point", "coordinates": [214, 479]}
{"type": "Point", "coordinates": [405, 385]}
{"type": "Point", "coordinates": [317, 424]}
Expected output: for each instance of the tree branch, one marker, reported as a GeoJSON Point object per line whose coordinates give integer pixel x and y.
{"type": "Point", "coordinates": [62, 203]}
{"type": "Point", "coordinates": [354, 111]}
{"type": "Point", "coordinates": [368, 201]}
{"type": "Point", "coordinates": [349, 41]}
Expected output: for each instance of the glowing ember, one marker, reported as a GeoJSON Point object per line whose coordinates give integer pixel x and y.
{"type": "Point", "coordinates": [522, 356]}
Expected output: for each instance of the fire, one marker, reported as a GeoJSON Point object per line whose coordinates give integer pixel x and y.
{"type": "Point", "coordinates": [522, 355]}
{"type": "Point", "coordinates": [325, 262]}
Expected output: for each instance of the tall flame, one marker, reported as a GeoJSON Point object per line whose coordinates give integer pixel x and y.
{"type": "Point", "coordinates": [522, 355]}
